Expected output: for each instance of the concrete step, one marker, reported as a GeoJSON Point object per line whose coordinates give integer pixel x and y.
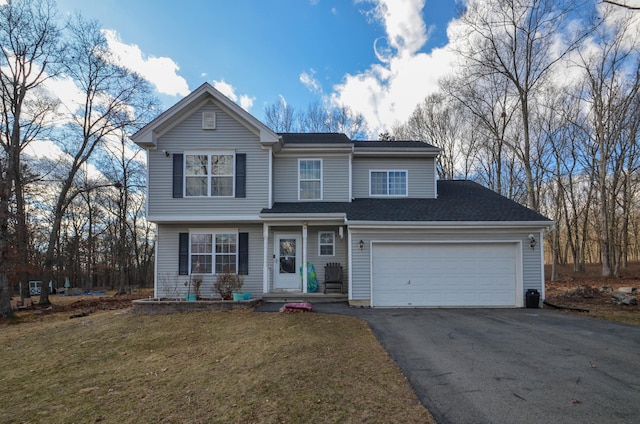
{"type": "Point", "coordinates": [286, 297]}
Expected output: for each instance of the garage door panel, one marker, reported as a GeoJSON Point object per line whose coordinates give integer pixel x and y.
{"type": "Point", "coordinates": [442, 274]}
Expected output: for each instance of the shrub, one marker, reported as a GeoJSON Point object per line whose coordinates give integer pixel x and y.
{"type": "Point", "coordinates": [228, 283]}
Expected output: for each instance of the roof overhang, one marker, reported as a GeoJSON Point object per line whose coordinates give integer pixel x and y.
{"type": "Point", "coordinates": [206, 219]}
{"type": "Point", "coordinates": [298, 148]}
{"type": "Point", "coordinates": [450, 225]}
{"type": "Point", "coordinates": [396, 152]}
{"type": "Point", "coordinates": [309, 217]}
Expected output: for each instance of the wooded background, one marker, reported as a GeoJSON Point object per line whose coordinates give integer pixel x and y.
{"type": "Point", "coordinates": [543, 108]}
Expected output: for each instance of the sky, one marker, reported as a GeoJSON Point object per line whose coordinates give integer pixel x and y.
{"type": "Point", "coordinates": [378, 57]}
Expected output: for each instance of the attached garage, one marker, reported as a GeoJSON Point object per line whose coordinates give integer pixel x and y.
{"type": "Point", "coordinates": [443, 274]}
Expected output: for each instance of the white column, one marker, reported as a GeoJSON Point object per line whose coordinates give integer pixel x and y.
{"type": "Point", "coordinates": [265, 258]}
{"type": "Point", "coordinates": [304, 257]}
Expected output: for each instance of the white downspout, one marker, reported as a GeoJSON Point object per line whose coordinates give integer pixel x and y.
{"type": "Point", "coordinates": [304, 257]}
{"type": "Point", "coordinates": [265, 258]}
{"type": "Point", "coordinates": [350, 260]}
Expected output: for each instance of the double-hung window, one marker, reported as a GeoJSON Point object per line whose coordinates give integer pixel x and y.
{"type": "Point", "coordinates": [326, 243]}
{"type": "Point", "coordinates": [388, 183]}
{"type": "Point", "coordinates": [310, 179]}
{"type": "Point", "coordinates": [214, 253]}
{"type": "Point", "coordinates": [209, 174]}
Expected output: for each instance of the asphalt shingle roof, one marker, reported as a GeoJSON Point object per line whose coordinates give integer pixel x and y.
{"type": "Point", "coordinates": [314, 138]}
{"type": "Point", "coordinates": [340, 138]}
{"type": "Point", "coordinates": [458, 200]}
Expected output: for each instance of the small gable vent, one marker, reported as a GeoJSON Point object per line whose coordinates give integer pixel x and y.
{"type": "Point", "coordinates": [208, 120]}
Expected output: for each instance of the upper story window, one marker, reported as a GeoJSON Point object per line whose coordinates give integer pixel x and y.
{"type": "Point", "coordinates": [310, 179]}
{"type": "Point", "coordinates": [209, 174]}
{"type": "Point", "coordinates": [388, 183]}
{"type": "Point", "coordinates": [326, 243]}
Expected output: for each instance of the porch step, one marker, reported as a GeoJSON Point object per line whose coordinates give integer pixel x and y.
{"type": "Point", "coordinates": [285, 297]}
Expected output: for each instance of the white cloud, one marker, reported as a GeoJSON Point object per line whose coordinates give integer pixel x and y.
{"type": "Point", "coordinates": [245, 101]}
{"type": "Point", "coordinates": [389, 92]}
{"type": "Point", "coordinates": [309, 81]}
{"type": "Point", "coordinates": [160, 71]}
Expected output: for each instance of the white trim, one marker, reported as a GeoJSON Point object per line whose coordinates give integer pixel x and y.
{"type": "Point", "coordinates": [321, 179]}
{"type": "Point", "coordinates": [279, 217]}
{"type": "Point", "coordinates": [147, 136]}
{"type": "Point", "coordinates": [540, 247]}
{"type": "Point", "coordinates": [155, 263]}
{"type": "Point", "coordinates": [276, 258]}
{"type": "Point", "coordinates": [519, 266]}
{"type": "Point", "coordinates": [419, 225]}
{"type": "Point", "coordinates": [265, 258]}
{"type": "Point", "coordinates": [333, 243]}
{"type": "Point", "coordinates": [176, 219]}
{"type": "Point", "coordinates": [406, 188]}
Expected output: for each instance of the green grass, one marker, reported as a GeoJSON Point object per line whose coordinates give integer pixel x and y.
{"type": "Point", "coordinates": [238, 366]}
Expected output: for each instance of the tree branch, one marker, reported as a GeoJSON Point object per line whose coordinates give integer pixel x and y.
{"type": "Point", "coordinates": [626, 6]}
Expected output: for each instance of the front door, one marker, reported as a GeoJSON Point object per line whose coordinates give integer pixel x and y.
{"type": "Point", "coordinates": [287, 251]}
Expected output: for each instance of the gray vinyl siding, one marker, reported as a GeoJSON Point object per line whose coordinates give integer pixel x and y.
{"type": "Point", "coordinates": [335, 177]}
{"type": "Point", "coordinates": [420, 174]}
{"type": "Point", "coordinates": [361, 266]}
{"type": "Point", "coordinates": [167, 279]}
{"type": "Point", "coordinates": [188, 135]}
{"type": "Point", "coordinates": [313, 254]}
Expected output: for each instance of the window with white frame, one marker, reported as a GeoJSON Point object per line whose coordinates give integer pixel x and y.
{"type": "Point", "coordinates": [209, 174]}
{"type": "Point", "coordinates": [214, 252]}
{"type": "Point", "coordinates": [326, 243]}
{"type": "Point", "coordinates": [388, 183]}
{"type": "Point", "coordinates": [310, 179]}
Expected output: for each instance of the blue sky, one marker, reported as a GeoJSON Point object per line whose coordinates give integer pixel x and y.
{"type": "Point", "coordinates": [303, 50]}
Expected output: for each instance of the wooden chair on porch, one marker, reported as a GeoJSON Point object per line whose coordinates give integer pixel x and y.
{"type": "Point", "coordinates": [333, 277]}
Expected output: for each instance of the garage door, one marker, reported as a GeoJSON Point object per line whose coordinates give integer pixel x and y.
{"type": "Point", "coordinates": [444, 274]}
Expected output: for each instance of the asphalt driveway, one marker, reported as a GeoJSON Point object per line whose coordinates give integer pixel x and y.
{"type": "Point", "coordinates": [512, 365]}
{"type": "Point", "coordinates": [515, 365]}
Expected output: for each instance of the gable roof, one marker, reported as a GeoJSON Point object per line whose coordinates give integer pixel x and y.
{"type": "Point", "coordinates": [146, 136]}
{"type": "Point", "coordinates": [458, 201]}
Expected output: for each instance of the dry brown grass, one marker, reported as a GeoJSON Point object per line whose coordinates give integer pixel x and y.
{"type": "Point", "coordinates": [236, 366]}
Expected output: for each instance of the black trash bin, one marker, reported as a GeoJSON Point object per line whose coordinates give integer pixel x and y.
{"type": "Point", "coordinates": [533, 298]}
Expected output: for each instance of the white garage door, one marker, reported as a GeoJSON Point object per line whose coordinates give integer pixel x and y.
{"type": "Point", "coordinates": [444, 274]}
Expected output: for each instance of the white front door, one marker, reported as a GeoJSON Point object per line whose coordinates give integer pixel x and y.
{"type": "Point", "coordinates": [287, 251]}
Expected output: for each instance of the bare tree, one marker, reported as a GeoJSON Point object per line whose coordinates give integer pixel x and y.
{"type": "Point", "coordinates": [610, 92]}
{"type": "Point", "coordinates": [28, 41]}
{"type": "Point", "coordinates": [522, 41]}
{"type": "Point", "coordinates": [280, 116]}
{"type": "Point", "coordinates": [115, 100]}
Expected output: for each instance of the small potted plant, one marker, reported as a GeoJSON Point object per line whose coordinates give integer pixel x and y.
{"type": "Point", "coordinates": [228, 285]}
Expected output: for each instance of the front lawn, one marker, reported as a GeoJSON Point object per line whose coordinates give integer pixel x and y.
{"type": "Point", "coordinates": [224, 367]}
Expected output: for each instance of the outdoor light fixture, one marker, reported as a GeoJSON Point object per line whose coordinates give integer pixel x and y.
{"type": "Point", "coordinates": [361, 245]}
{"type": "Point", "coordinates": [532, 241]}
{"type": "Point", "coordinates": [166, 153]}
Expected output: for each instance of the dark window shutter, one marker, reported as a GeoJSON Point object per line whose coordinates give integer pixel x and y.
{"type": "Point", "coordinates": [178, 168]}
{"type": "Point", "coordinates": [243, 254]}
{"type": "Point", "coordinates": [183, 254]}
{"type": "Point", "coordinates": [241, 175]}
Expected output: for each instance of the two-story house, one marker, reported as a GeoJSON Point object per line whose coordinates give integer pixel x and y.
{"type": "Point", "coordinates": [229, 195]}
